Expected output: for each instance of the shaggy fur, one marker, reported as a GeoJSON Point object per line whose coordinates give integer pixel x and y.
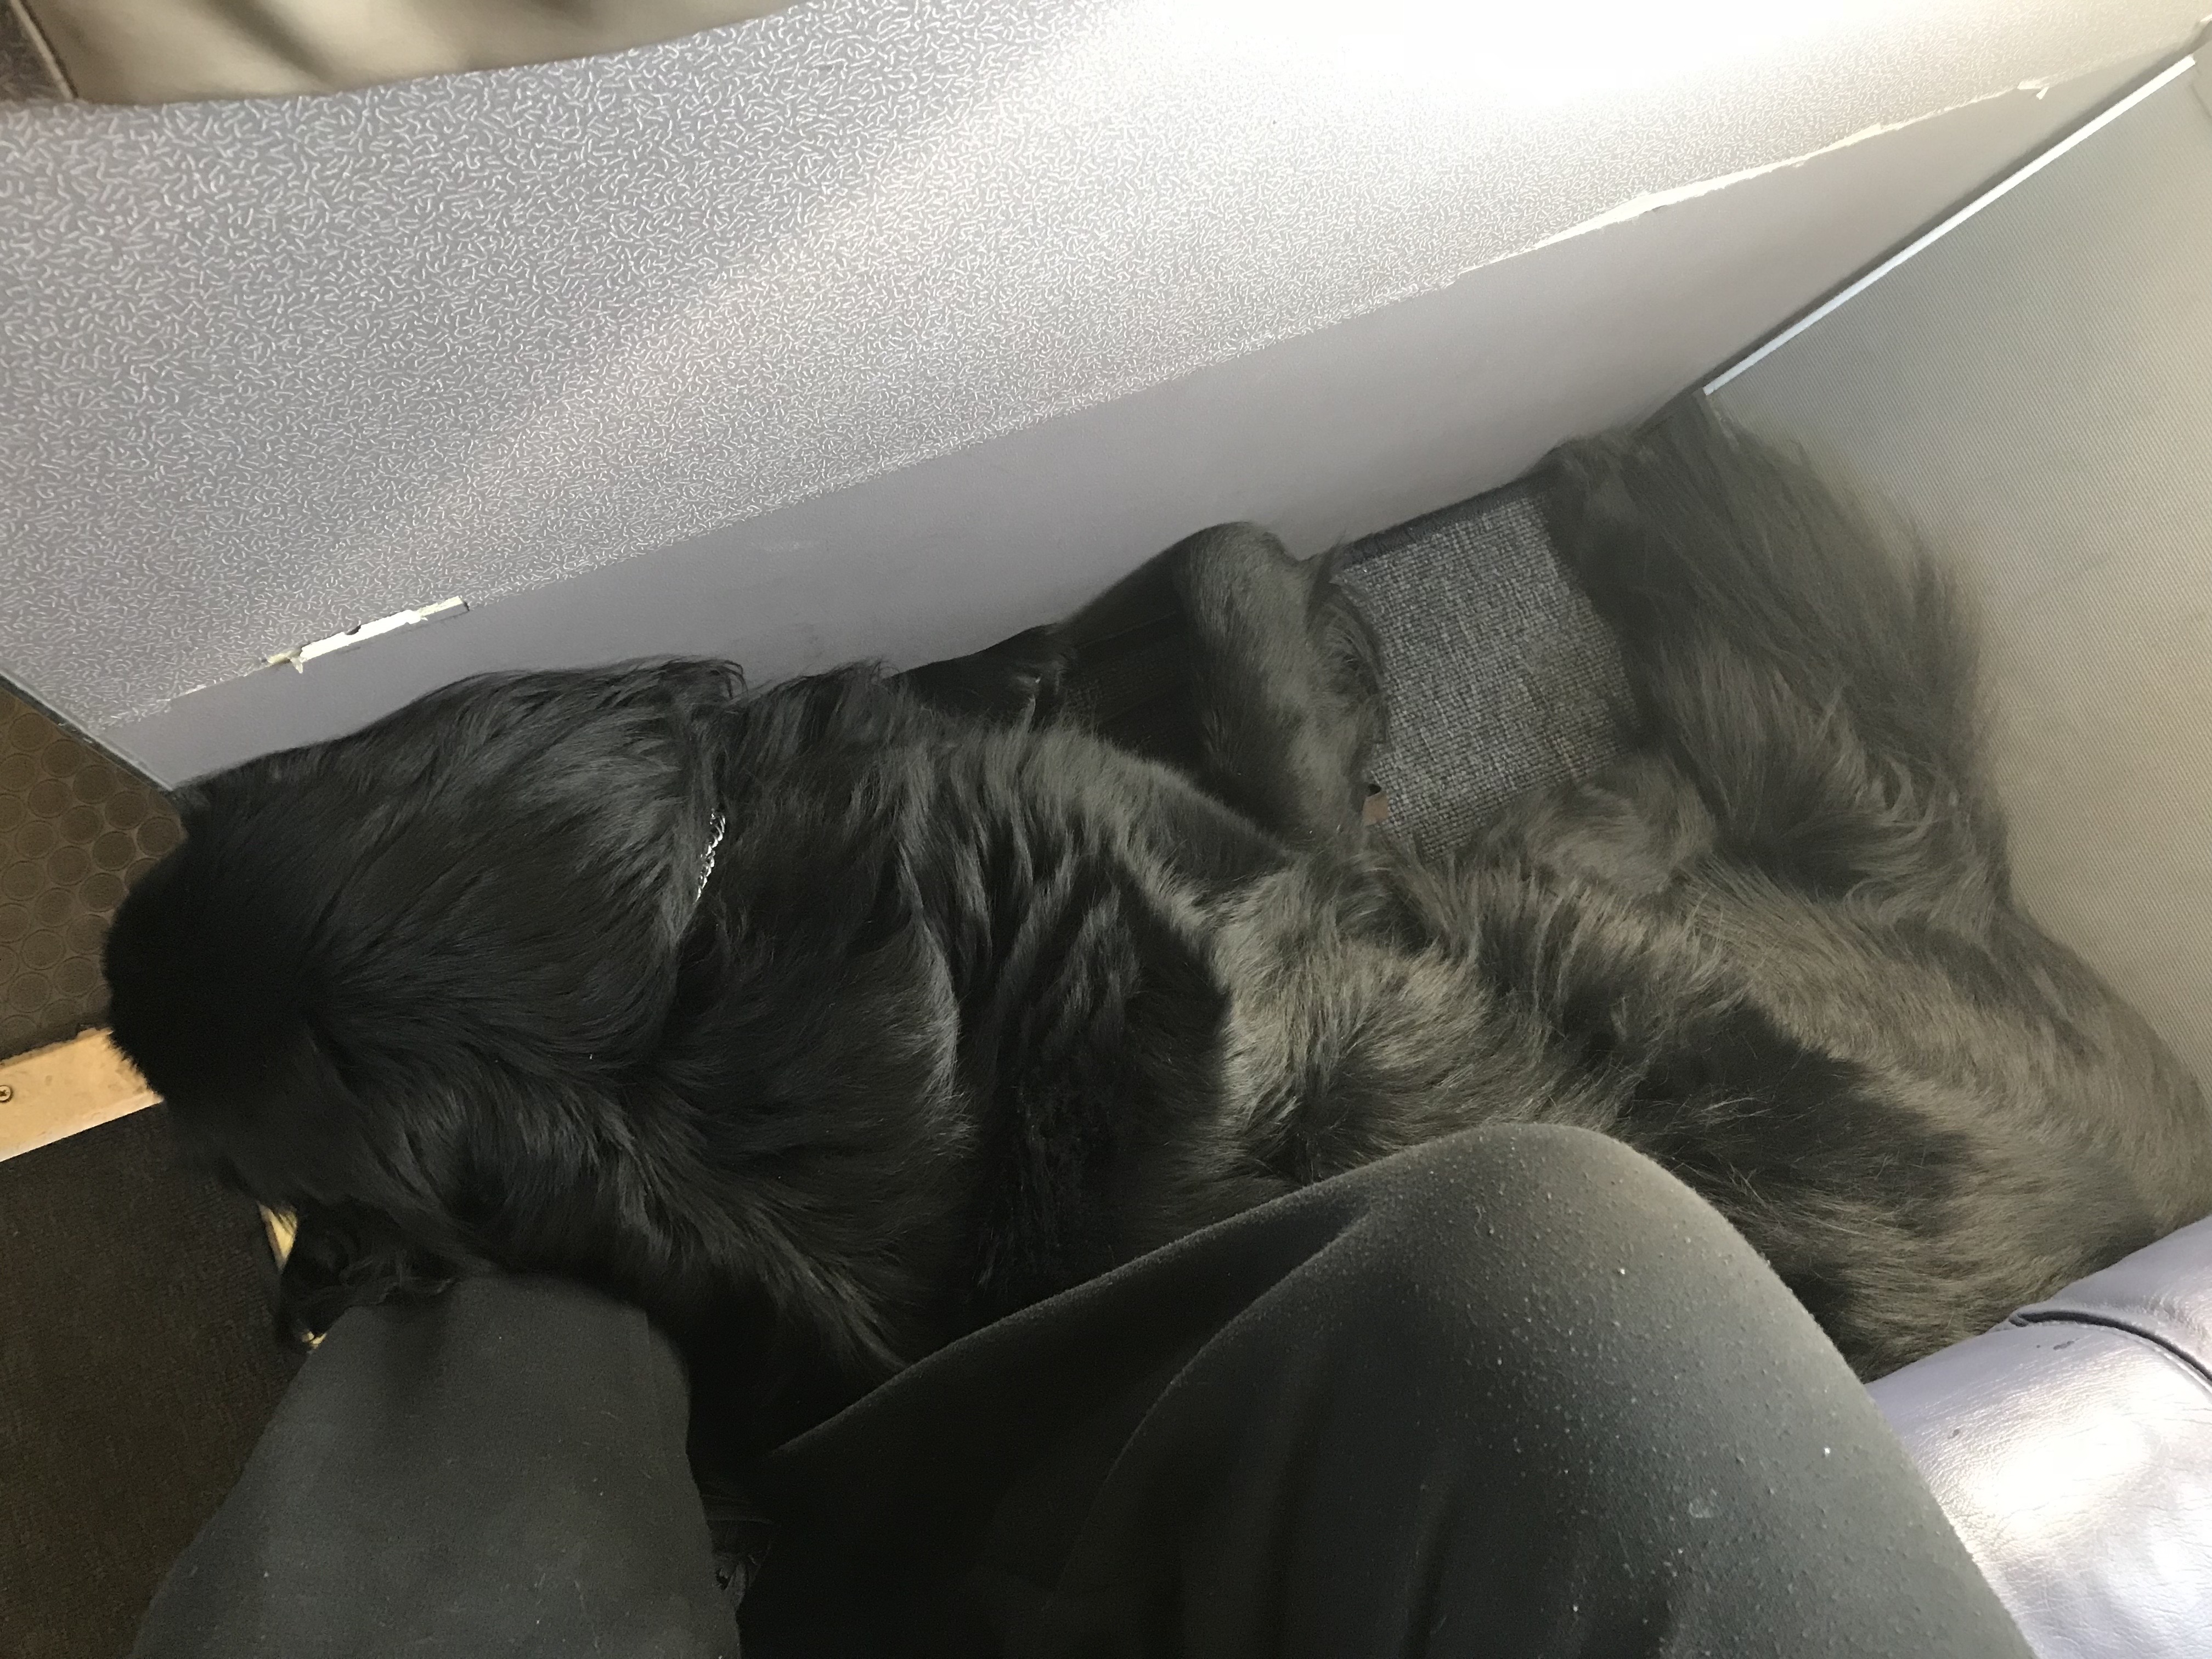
{"type": "Point", "coordinates": [970, 1003]}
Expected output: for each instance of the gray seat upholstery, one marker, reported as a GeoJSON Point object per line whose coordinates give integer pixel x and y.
{"type": "Point", "coordinates": [2072, 1449]}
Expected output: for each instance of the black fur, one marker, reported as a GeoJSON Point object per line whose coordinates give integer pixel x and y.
{"type": "Point", "coordinates": [976, 1002]}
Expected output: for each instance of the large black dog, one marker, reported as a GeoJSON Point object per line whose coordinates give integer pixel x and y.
{"type": "Point", "coordinates": [828, 1021]}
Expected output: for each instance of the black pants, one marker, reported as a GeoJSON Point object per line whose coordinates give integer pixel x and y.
{"type": "Point", "coordinates": [1519, 1393]}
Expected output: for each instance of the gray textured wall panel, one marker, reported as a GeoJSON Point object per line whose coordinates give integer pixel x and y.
{"type": "Point", "coordinates": [1325, 436]}
{"type": "Point", "coordinates": [273, 368]}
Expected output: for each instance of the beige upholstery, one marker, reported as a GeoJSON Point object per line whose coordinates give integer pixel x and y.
{"type": "Point", "coordinates": [151, 52]}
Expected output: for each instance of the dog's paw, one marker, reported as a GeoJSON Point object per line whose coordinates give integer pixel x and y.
{"type": "Point", "coordinates": [1018, 682]}
{"type": "Point", "coordinates": [1352, 650]}
{"type": "Point", "coordinates": [1588, 510]}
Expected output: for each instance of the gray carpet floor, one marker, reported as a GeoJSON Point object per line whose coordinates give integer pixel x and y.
{"type": "Point", "coordinates": [1499, 676]}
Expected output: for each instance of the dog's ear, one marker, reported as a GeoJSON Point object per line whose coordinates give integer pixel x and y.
{"type": "Point", "coordinates": [349, 1259]}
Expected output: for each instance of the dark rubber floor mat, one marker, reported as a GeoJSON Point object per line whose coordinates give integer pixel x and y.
{"type": "Point", "coordinates": [138, 1361]}
{"type": "Point", "coordinates": [75, 828]}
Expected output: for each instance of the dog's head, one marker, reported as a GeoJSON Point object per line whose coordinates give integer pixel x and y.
{"type": "Point", "coordinates": [378, 972]}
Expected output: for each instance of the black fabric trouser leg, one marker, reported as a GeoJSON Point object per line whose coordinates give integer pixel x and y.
{"type": "Point", "coordinates": [498, 1472]}
{"type": "Point", "coordinates": [1517, 1393]}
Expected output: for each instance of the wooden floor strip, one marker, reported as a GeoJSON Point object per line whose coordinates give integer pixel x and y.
{"type": "Point", "coordinates": [65, 1088]}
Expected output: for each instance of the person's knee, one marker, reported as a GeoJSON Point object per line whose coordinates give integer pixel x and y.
{"type": "Point", "coordinates": [1541, 1234]}
{"type": "Point", "coordinates": [1462, 1193]}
